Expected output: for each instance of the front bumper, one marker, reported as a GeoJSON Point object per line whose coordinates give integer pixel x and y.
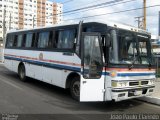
{"type": "Point", "coordinates": [119, 94]}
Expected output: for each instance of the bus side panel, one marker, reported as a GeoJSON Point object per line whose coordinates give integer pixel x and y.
{"type": "Point", "coordinates": [15, 66]}
{"type": "Point", "coordinates": [38, 72]}
{"type": "Point", "coordinates": [52, 76]}
{"type": "Point", "coordinates": [7, 61]}
{"type": "Point", "coordinates": [57, 76]}
{"type": "Point", "coordinates": [30, 70]}
{"type": "Point", "coordinates": [47, 66]}
{"type": "Point", "coordinates": [42, 73]}
{"type": "Point", "coordinates": [8, 64]}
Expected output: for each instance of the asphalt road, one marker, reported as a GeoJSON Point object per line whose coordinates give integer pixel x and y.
{"type": "Point", "coordinates": [34, 99]}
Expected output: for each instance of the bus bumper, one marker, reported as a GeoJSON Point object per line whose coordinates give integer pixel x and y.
{"type": "Point", "coordinates": [119, 94]}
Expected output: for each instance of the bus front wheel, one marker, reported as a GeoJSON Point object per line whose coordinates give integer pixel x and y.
{"type": "Point", "coordinates": [75, 88]}
{"type": "Point", "coordinates": [22, 73]}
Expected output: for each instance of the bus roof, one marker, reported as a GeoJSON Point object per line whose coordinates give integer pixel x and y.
{"type": "Point", "coordinates": [108, 23]}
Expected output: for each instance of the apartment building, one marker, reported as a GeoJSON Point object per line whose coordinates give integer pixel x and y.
{"type": "Point", "coordinates": [25, 14]}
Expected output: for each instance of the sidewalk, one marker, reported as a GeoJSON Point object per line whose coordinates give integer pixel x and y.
{"type": "Point", "coordinates": [155, 98]}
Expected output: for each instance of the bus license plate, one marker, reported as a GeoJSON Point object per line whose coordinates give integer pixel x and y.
{"type": "Point", "coordinates": [138, 92]}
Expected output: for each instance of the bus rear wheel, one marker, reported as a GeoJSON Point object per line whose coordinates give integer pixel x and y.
{"type": "Point", "coordinates": [75, 88]}
{"type": "Point", "coordinates": [22, 73]}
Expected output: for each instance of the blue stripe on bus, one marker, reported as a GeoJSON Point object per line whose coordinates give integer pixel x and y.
{"type": "Point", "coordinates": [76, 69]}
{"type": "Point", "coordinates": [134, 74]}
{"type": "Point", "coordinates": [50, 65]}
{"type": "Point", "coordinates": [129, 74]}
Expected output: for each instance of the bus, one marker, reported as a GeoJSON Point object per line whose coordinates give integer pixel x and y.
{"type": "Point", "coordinates": [95, 60]}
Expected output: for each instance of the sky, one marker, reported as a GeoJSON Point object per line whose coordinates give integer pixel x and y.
{"type": "Point", "coordinates": [125, 17]}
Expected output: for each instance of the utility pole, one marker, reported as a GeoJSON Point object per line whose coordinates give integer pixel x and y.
{"type": "Point", "coordinates": [144, 14]}
{"type": "Point", "coordinates": [140, 21]}
{"type": "Point", "coordinates": [4, 23]}
{"type": "Point", "coordinates": [9, 20]}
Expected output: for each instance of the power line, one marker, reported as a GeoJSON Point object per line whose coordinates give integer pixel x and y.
{"type": "Point", "coordinates": [65, 2]}
{"type": "Point", "coordinates": [88, 3]}
{"type": "Point", "coordinates": [92, 6]}
{"type": "Point", "coordinates": [101, 7]}
{"type": "Point", "coordinates": [101, 4]}
{"type": "Point", "coordinates": [128, 10]}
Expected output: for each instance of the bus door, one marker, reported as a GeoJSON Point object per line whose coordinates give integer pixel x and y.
{"type": "Point", "coordinates": [92, 82]}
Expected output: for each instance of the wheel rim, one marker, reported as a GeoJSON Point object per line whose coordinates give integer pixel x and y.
{"type": "Point", "coordinates": [76, 88]}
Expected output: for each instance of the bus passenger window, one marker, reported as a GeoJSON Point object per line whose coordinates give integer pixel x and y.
{"type": "Point", "coordinates": [43, 40]}
{"type": "Point", "coordinates": [29, 40]}
{"type": "Point", "coordinates": [10, 40]}
{"type": "Point", "coordinates": [19, 40]}
{"type": "Point", "coordinates": [66, 39]}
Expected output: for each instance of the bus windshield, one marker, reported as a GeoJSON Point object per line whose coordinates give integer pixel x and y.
{"type": "Point", "coordinates": [129, 48]}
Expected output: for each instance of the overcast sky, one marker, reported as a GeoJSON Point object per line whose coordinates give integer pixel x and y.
{"type": "Point", "coordinates": [125, 17]}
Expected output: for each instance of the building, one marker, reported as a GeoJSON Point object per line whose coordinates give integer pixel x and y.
{"type": "Point", "coordinates": [25, 14]}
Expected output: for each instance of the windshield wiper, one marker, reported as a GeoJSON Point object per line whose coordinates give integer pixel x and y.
{"type": "Point", "coordinates": [132, 65]}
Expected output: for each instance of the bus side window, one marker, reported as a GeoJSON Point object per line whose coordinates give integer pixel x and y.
{"type": "Point", "coordinates": [10, 40]}
{"type": "Point", "coordinates": [29, 40]}
{"type": "Point", "coordinates": [43, 40]}
{"type": "Point", "coordinates": [66, 39]}
{"type": "Point", "coordinates": [19, 40]}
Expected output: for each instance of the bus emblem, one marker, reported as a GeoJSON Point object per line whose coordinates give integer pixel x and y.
{"type": "Point", "coordinates": [41, 56]}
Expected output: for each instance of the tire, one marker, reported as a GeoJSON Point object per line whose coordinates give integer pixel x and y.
{"type": "Point", "coordinates": [75, 88]}
{"type": "Point", "coordinates": [22, 73]}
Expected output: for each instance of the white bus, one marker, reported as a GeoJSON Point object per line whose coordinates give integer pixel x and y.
{"type": "Point", "coordinates": [97, 61]}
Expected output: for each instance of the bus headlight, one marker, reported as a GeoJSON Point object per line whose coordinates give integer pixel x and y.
{"type": "Point", "coordinates": [119, 84]}
{"type": "Point", "coordinates": [152, 81]}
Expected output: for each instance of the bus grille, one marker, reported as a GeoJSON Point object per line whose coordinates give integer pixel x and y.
{"type": "Point", "coordinates": [133, 83]}
{"type": "Point", "coordinates": [138, 83]}
{"type": "Point", "coordinates": [144, 82]}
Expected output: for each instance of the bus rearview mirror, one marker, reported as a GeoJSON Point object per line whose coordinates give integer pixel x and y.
{"type": "Point", "coordinates": [108, 40]}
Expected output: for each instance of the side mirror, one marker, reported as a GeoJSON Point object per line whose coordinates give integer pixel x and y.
{"type": "Point", "coordinates": [108, 40]}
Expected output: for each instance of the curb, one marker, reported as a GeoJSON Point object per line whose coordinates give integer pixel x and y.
{"type": "Point", "coordinates": [150, 99]}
